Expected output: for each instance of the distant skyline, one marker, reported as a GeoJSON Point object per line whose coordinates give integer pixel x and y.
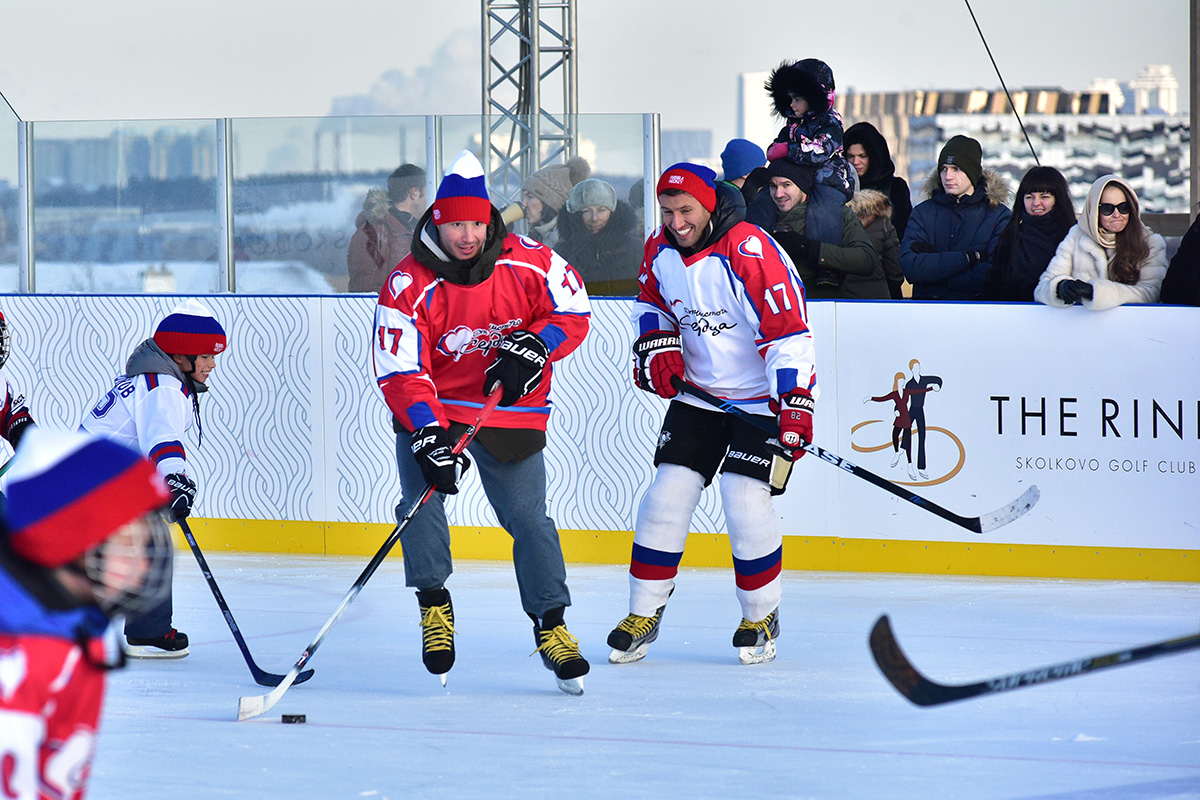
{"type": "Point", "coordinates": [141, 59]}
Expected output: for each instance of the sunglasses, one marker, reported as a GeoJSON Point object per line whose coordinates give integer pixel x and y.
{"type": "Point", "coordinates": [1107, 209]}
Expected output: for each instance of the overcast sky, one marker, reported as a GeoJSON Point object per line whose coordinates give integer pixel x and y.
{"type": "Point", "coordinates": [149, 59]}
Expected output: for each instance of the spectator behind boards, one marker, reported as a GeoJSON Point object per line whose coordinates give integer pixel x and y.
{"type": "Point", "coordinates": [947, 249]}
{"type": "Point", "coordinates": [544, 194]}
{"type": "Point", "coordinates": [867, 151]}
{"type": "Point", "coordinates": [874, 210]}
{"type": "Point", "coordinates": [82, 542]}
{"type": "Point", "coordinates": [743, 164]}
{"type": "Point", "coordinates": [384, 229]}
{"type": "Point", "coordinates": [1181, 286]}
{"type": "Point", "coordinates": [601, 237]}
{"type": "Point", "coordinates": [1041, 216]}
{"type": "Point", "coordinates": [1109, 258]}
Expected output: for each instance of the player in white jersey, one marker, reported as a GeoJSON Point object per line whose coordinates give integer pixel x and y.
{"type": "Point", "coordinates": [720, 305]}
{"type": "Point", "coordinates": [150, 408]}
{"type": "Point", "coordinates": [15, 418]}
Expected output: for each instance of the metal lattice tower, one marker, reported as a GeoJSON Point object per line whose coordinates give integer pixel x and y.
{"type": "Point", "coordinates": [530, 90]}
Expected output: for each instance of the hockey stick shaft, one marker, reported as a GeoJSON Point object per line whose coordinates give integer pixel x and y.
{"type": "Point", "coordinates": [261, 676]}
{"type": "Point", "coordinates": [976, 524]}
{"type": "Point", "coordinates": [256, 705]}
{"type": "Point", "coordinates": [921, 691]}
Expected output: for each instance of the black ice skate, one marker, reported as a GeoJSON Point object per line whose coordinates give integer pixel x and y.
{"type": "Point", "coordinates": [437, 631]}
{"type": "Point", "coordinates": [560, 651]}
{"type": "Point", "coordinates": [633, 635]}
{"type": "Point", "coordinates": [755, 641]}
{"type": "Point", "coordinates": [172, 644]}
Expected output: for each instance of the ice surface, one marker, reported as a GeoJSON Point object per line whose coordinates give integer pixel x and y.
{"type": "Point", "coordinates": [688, 721]}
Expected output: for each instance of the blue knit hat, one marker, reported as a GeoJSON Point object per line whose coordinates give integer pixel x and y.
{"type": "Point", "coordinates": [190, 330]}
{"type": "Point", "coordinates": [739, 157]}
{"type": "Point", "coordinates": [463, 195]}
{"type": "Point", "coordinates": [69, 491]}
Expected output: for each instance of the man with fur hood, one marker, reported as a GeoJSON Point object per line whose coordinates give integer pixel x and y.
{"type": "Point", "coordinates": [149, 409]}
{"type": "Point", "coordinates": [383, 231]}
{"type": "Point", "coordinates": [947, 249]}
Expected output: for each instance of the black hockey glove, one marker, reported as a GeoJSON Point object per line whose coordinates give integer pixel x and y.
{"type": "Point", "coordinates": [433, 450]}
{"type": "Point", "coordinates": [518, 366]}
{"type": "Point", "coordinates": [183, 495]}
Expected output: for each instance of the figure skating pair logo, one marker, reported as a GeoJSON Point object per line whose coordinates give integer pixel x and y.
{"type": "Point", "coordinates": [462, 340]}
{"type": "Point", "coordinates": [908, 397]}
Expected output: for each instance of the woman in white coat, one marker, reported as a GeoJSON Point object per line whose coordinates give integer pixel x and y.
{"type": "Point", "coordinates": [1109, 258]}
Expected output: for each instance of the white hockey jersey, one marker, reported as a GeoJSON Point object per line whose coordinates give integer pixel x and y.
{"type": "Point", "coordinates": [151, 413]}
{"type": "Point", "coordinates": [739, 308]}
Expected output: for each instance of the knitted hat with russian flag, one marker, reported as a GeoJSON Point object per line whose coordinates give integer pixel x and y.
{"type": "Point", "coordinates": [695, 179]}
{"type": "Point", "coordinates": [190, 330]}
{"type": "Point", "coordinates": [69, 491]}
{"type": "Point", "coordinates": [463, 195]}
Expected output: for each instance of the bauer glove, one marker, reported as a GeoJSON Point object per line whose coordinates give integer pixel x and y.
{"type": "Point", "coordinates": [183, 495]}
{"type": "Point", "coordinates": [518, 367]}
{"type": "Point", "coordinates": [433, 450]}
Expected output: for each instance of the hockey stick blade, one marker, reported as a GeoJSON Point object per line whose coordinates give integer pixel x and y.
{"type": "Point", "coordinates": [921, 691]}
{"type": "Point", "coordinates": [257, 705]}
{"type": "Point", "coordinates": [988, 522]}
{"type": "Point", "coordinates": [261, 676]}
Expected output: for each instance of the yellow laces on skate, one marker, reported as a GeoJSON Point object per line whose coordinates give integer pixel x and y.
{"type": "Point", "coordinates": [438, 630]}
{"type": "Point", "coordinates": [559, 645]}
{"type": "Point", "coordinates": [636, 626]}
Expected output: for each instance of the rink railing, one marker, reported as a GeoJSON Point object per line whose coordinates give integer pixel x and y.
{"type": "Point", "coordinates": [1100, 410]}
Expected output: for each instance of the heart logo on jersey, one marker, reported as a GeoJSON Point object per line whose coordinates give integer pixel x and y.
{"type": "Point", "coordinates": [13, 670]}
{"type": "Point", "coordinates": [752, 247]}
{"type": "Point", "coordinates": [399, 282]}
{"type": "Point", "coordinates": [453, 343]}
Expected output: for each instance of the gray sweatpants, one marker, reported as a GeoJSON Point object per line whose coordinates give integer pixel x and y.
{"type": "Point", "coordinates": [517, 493]}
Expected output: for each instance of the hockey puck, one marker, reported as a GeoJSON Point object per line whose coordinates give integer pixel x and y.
{"type": "Point", "coordinates": [293, 718]}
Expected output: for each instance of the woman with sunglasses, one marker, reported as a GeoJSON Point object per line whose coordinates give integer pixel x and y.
{"type": "Point", "coordinates": [1109, 258]}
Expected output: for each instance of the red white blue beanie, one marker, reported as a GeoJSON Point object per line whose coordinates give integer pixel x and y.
{"type": "Point", "coordinates": [190, 330]}
{"type": "Point", "coordinates": [69, 491]}
{"type": "Point", "coordinates": [463, 195]}
{"type": "Point", "coordinates": [695, 179]}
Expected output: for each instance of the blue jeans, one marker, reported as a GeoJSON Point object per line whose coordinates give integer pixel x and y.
{"type": "Point", "coordinates": [517, 493]}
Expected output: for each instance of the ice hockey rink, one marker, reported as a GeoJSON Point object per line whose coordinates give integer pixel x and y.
{"type": "Point", "coordinates": [688, 721]}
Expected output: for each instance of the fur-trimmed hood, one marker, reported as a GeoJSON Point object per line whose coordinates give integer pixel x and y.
{"type": "Point", "coordinates": [998, 188]}
{"type": "Point", "coordinates": [871, 203]}
{"type": "Point", "coordinates": [810, 78]}
{"type": "Point", "coordinates": [376, 206]}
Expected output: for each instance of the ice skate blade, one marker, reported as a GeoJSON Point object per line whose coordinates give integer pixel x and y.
{"type": "Point", "coordinates": [757, 655]}
{"type": "Point", "coordinates": [147, 652]}
{"type": "Point", "coordinates": [571, 685]}
{"type": "Point", "coordinates": [628, 656]}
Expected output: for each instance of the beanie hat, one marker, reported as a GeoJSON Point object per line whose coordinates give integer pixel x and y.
{"type": "Point", "coordinates": [964, 153]}
{"type": "Point", "coordinates": [552, 185]}
{"type": "Point", "coordinates": [810, 78]}
{"type": "Point", "coordinates": [695, 179]}
{"type": "Point", "coordinates": [739, 157]}
{"type": "Point", "coordinates": [797, 173]}
{"type": "Point", "coordinates": [190, 330]}
{"type": "Point", "coordinates": [401, 179]}
{"type": "Point", "coordinates": [592, 192]}
{"type": "Point", "coordinates": [463, 195]}
{"type": "Point", "coordinates": [69, 491]}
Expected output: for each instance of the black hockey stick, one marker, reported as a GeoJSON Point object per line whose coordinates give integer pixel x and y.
{"type": "Point", "coordinates": [256, 705]}
{"type": "Point", "coordinates": [924, 692]}
{"type": "Point", "coordinates": [261, 676]}
{"type": "Point", "coordinates": [983, 524]}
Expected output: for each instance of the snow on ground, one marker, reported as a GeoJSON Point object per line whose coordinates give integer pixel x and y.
{"type": "Point", "coordinates": [689, 721]}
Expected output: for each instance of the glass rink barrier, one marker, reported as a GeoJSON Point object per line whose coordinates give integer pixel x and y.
{"type": "Point", "coordinates": [267, 205]}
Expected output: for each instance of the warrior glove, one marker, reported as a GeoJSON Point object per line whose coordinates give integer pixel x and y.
{"type": "Point", "coordinates": [657, 358]}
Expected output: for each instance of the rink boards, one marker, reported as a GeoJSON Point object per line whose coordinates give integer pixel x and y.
{"type": "Point", "coordinates": [1100, 410]}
